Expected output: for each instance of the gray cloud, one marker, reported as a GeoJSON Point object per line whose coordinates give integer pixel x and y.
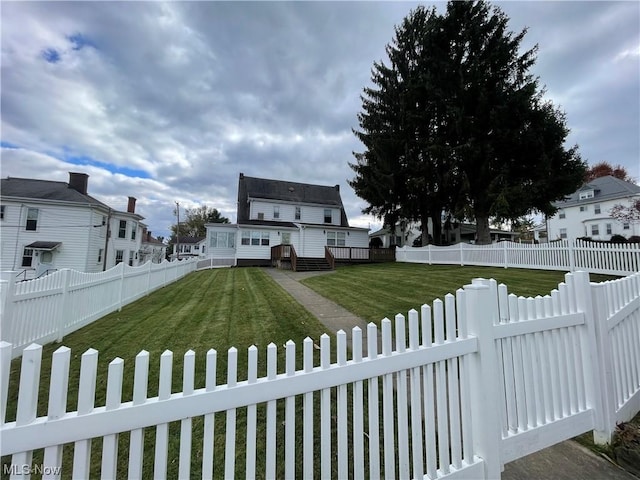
{"type": "Point", "coordinates": [192, 93]}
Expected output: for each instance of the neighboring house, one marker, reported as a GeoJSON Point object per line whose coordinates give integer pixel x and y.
{"type": "Point", "coordinates": [406, 233]}
{"type": "Point", "coordinates": [586, 212]}
{"type": "Point", "coordinates": [151, 249]}
{"type": "Point", "coordinates": [276, 212]}
{"type": "Point", "coordinates": [190, 247]}
{"type": "Point", "coordinates": [47, 225]}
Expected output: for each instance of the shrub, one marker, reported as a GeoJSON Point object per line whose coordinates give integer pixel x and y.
{"type": "Point", "coordinates": [376, 242]}
{"type": "Point", "coordinates": [634, 239]}
{"type": "Point", "coordinates": [618, 239]}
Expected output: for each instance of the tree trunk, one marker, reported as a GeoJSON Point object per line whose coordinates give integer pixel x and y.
{"type": "Point", "coordinates": [482, 230]}
{"type": "Point", "coordinates": [436, 220]}
{"type": "Point", "coordinates": [425, 230]}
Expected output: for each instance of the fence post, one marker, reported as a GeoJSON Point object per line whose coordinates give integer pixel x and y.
{"type": "Point", "coordinates": [8, 294]}
{"type": "Point", "coordinates": [149, 278]}
{"type": "Point", "coordinates": [600, 351]}
{"type": "Point", "coordinates": [66, 304]}
{"type": "Point", "coordinates": [482, 313]}
{"type": "Point", "coordinates": [572, 255]}
{"type": "Point", "coordinates": [121, 287]}
{"type": "Point", "coordinates": [429, 247]}
{"type": "Point", "coordinates": [461, 255]}
{"type": "Point", "coordinates": [504, 248]}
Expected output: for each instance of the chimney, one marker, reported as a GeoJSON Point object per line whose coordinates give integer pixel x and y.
{"type": "Point", "coordinates": [131, 207]}
{"type": "Point", "coordinates": [148, 236]}
{"type": "Point", "coordinates": [79, 182]}
{"type": "Point", "coordinates": [337, 187]}
{"type": "Point", "coordinates": [241, 175]}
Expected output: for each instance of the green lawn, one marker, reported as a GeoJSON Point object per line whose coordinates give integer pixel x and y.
{"type": "Point", "coordinates": [217, 309]}
{"type": "Point", "coordinates": [376, 291]}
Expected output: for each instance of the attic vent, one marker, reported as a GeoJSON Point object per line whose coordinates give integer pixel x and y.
{"type": "Point", "coordinates": [291, 189]}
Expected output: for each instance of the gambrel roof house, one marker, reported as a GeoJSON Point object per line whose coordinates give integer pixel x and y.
{"type": "Point", "coordinates": [586, 212]}
{"type": "Point", "coordinates": [277, 212]}
{"type": "Point", "coordinates": [189, 247]}
{"type": "Point", "coordinates": [47, 225]}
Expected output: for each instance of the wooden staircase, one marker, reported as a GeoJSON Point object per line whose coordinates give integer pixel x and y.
{"type": "Point", "coordinates": [309, 264]}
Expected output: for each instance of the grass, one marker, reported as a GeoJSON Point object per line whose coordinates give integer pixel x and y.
{"type": "Point", "coordinates": [242, 307]}
{"type": "Point", "coordinates": [376, 291]}
{"type": "Point", "coordinates": [209, 309]}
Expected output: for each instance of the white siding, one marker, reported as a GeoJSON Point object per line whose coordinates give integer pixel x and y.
{"type": "Point", "coordinates": [308, 213]}
{"type": "Point", "coordinates": [71, 226]}
{"type": "Point", "coordinates": [126, 244]}
{"type": "Point", "coordinates": [219, 252]}
{"type": "Point", "coordinates": [578, 224]}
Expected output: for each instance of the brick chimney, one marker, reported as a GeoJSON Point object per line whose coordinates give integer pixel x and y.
{"type": "Point", "coordinates": [337, 187]}
{"type": "Point", "coordinates": [131, 207]}
{"type": "Point", "coordinates": [79, 182]}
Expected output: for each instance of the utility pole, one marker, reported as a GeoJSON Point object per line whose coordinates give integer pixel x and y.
{"type": "Point", "coordinates": [178, 231]}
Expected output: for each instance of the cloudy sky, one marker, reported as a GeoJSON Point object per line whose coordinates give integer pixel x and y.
{"type": "Point", "coordinates": [171, 101]}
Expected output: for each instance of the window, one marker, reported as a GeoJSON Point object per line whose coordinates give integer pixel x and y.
{"type": "Point", "coordinates": [223, 240]}
{"type": "Point", "coordinates": [119, 255]}
{"type": "Point", "coordinates": [327, 215]}
{"type": "Point", "coordinates": [265, 239]}
{"type": "Point", "coordinates": [585, 195]}
{"type": "Point", "coordinates": [196, 247]}
{"type": "Point", "coordinates": [583, 208]}
{"type": "Point", "coordinates": [276, 212]}
{"type": "Point", "coordinates": [122, 230]}
{"type": "Point", "coordinates": [100, 255]}
{"type": "Point", "coordinates": [134, 227]}
{"type": "Point", "coordinates": [286, 238]}
{"type": "Point", "coordinates": [561, 214]}
{"type": "Point", "coordinates": [255, 238]}
{"type": "Point", "coordinates": [298, 213]}
{"type": "Point", "coordinates": [336, 239]}
{"type": "Point", "coordinates": [1, 212]}
{"type": "Point", "coordinates": [595, 230]}
{"type": "Point", "coordinates": [32, 218]}
{"type": "Point", "coordinates": [609, 229]}
{"type": "Point", "coordinates": [104, 220]}
{"type": "Point", "coordinates": [131, 255]}
{"type": "Point", "coordinates": [625, 226]}
{"type": "Point", "coordinates": [27, 257]}
{"type": "Point", "coordinates": [246, 238]}
{"type": "Point", "coordinates": [596, 208]}
{"type": "Point", "coordinates": [563, 233]}
{"type": "Point", "coordinates": [260, 216]}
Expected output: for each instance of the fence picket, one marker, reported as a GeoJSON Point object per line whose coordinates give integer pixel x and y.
{"type": "Point", "coordinates": [209, 419]}
{"type": "Point", "coordinates": [86, 398]}
{"type": "Point", "coordinates": [188, 373]}
{"type": "Point", "coordinates": [374, 426]}
{"type": "Point", "coordinates": [250, 445]}
{"type": "Point", "coordinates": [416, 410]}
{"type": "Point", "coordinates": [308, 424]}
{"type": "Point", "coordinates": [5, 369]}
{"type": "Point", "coordinates": [325, 411]}
{"type": "Point", "coordinates": [136, 441]}
{"type": "Point", "coordinates": [162, 430]}
{"type": "Point", "coordinates": [290, 415]}
{"type": "Point", "coordinates": [114, 398]}
{"type": "Point", "coordinates": [357, 408]}
{"type": "Point", "coordinates": [453, 385]}
{"type": "Point", "coordinates": [442, 414]}
{"type": "Point", "coordinates": [403, 401]}
{"type": "Point", "coordinates": [270, 457]}
{"type": "Point", "coordinates": [428, 396]}
{"type": "Point", "coordinates": [230, 432]}
{"type": "Point", "coordinates": [387, 406]}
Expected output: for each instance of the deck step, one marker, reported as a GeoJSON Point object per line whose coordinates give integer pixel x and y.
{"type": "Point", "coordinates": [311, 264]}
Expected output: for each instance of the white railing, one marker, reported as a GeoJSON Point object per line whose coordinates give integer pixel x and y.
{"type": "Point", "coordinates": [484, 378]}
{"type": "Point", "coordinates": [215, 262]}
{"type": "Point", "coordinates": [48, 308]}
{"type": "Point", "coordinates": [568, 256]}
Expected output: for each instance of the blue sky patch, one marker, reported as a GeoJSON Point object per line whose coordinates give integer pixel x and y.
{"type": "Point", "coordinates": [4, 144]}
{"type": "Point", "coordinates": [129, 172]}
{"type": "Point", "coordinates": [79, 41]}
{"type": "Point", "coordinates": [51, 55]}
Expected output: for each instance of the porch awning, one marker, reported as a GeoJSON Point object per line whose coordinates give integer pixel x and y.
{"type": "Point", "coordinates": [45, 246]}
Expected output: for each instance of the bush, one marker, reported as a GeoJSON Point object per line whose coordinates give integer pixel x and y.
{"type": "Point", "coordinates": [376, 242]}
{"type": "Point", "coordinates": [618, 239]}
{"type": "Point", "coordinates": [634, 239]}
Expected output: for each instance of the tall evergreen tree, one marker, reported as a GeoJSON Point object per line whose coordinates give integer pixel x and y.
{"type": "Point", "coordinates": [471, 133]}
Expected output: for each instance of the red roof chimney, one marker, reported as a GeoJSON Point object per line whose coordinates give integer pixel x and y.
{"type": "Point", "coordinates": [131, 207]}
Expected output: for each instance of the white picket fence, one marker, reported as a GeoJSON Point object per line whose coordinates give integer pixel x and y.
{"type": "Point", "coordinates": [48, 308]}
{"type": "Point", "coordinates": [484, 378]}
{"type": "Point", "coordinates": [568, 256]}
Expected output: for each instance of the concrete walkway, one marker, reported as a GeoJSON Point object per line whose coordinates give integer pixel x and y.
{"type": "Point", "coordinates": [565, 461]}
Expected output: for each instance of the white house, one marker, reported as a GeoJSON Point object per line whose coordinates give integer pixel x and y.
{"type": "Point", "coordinates": [587, 212]}
{"type": "Point", "coordinates": [406, 233]}
{"type": "Point", "coordinates": [275, 212]}
{"type": "Point", "coordinates": [151, 249]}
{"type": "Point", "coordinates": [189, 247]}
{"type": "Point", "coordinates": [47, 225]}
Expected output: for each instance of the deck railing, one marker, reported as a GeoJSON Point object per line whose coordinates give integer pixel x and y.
{"type": "Point", "coordinates": [284, 252]}
{"type": "Point", "coordinates": [362, 254]}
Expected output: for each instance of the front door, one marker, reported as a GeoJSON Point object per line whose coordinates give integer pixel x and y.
{"type": "Point", "coordinates": [286, 238]}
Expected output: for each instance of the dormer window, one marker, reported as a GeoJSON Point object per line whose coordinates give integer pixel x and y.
{"type": "Point", "coordinates": [298, 213]}
{"type": "Point", "coordinates": [276, 212]}
{"type": "Point", "coordinates": [328, 218]}
{"type": "Point", "coordinates": [586, 194]}
{"type": "Point", "coordinates": [260, 216]}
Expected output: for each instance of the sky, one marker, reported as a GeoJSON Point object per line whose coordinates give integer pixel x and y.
{"type": "Point", "coordinates": [169, 102]}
